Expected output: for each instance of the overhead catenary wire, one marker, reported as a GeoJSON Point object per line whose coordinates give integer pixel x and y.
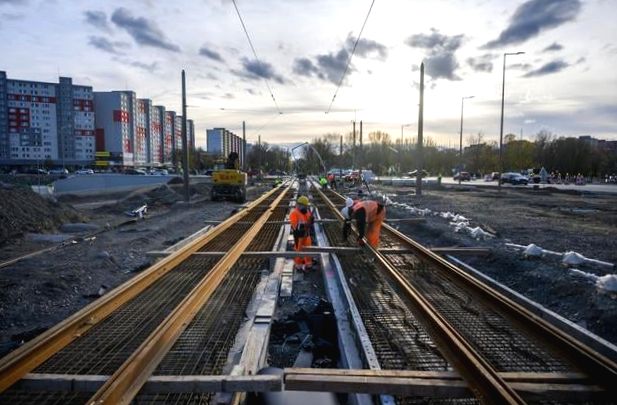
{"type": "Point", "coordinates": [350, 57]}
{"type": "Point", "coordinates": [248, 37]}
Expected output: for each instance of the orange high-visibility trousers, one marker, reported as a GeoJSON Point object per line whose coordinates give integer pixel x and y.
{"type": "Point", "coordinates": [373, 228]}
{"type": "Point", "coordinates": [298, 247]}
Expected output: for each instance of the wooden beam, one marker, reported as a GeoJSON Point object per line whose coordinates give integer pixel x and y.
{"type": "Point", "coordinates": [266, 254]}
{"type": "Point", "coordinates": [155, 384]}
{"type": "Point", "coordinates": [435, 384]}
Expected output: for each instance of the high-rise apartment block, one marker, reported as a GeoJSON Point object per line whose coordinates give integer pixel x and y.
{"type": "Point", "coordinates": [42, 121]}
{"type": "Point", "coordinates": [221, 142]}
{"type": "Point", "coordinates": [72, 125]}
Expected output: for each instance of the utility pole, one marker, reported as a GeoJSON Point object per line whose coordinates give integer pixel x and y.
{"type": "Point", "coordinates": [353, 147]}
{"type": "Point", "coordinates": [243, 146]}
{"type": "Point", "coordinates": [420, 133]}
{"type": "Point", "coordinates": [259, 156]}
{"type": "Point", "coordinates": [360, 160]}
{"type": "Point", "coordinates": [185, 151]}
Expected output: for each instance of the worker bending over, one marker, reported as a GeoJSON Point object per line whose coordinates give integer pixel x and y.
{"type": "Point", "coordinates": [301, 225]}
{"type": "Point", "coordinates": [369, 216]}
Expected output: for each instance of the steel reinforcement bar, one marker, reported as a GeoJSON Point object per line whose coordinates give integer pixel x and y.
{"type": "Point", "coordinates": [126, 382]}
{"type": "Point", "coordinates": [465, 358]}
{"type": "Point", "coordinates": [35, 352]}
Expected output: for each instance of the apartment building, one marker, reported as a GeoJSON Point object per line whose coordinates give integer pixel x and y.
{"type": "Point", "coordinates": [46, 122]}
{"type": "Point", "coordinates": [221, 142]}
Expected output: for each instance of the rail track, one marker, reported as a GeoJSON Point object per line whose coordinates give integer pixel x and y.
{"type": "Point", "coordinates": [166, 336]}
{"type": "Point", "coordinates": [423, 313]}
{"type": "Point", "coordinates": [180, 316]}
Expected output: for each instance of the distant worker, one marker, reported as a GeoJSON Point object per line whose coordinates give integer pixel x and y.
{"type": "Point", "coordinates": [332, 181]}
{"type": "Point", "coordinates": [323, 182]}
{"type": "Point", "coordinates": [301, 224]}
{"type": "Point", "coordinates": [369, 216]}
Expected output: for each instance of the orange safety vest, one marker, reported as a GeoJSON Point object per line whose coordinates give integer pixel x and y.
{"type": "Point", "coordinates": [297, 218]}
{"type": "Point", "coordinates": [370, 207]}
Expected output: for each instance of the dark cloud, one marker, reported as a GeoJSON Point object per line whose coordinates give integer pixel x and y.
{"type": "Point", "coordinates": [440, 60]}
{"type": "Point", "coordinates": [533, 17]}
{"type": "Point", "coordinates": [106, 45]}
{"type": "Point", "coordinates": [482, 63]}
{"type": "Point", "coordinates": [548, 68]}
{"type": "Point", "coordinates": [330, 66]}
{"type": "Point", "coordinates": [254, 70]}
{"type": "Point", "coordinates": [97, 19]}
{"type": "Point", "coordinates": [13, 16]}
{"type": "Point", "coordinates": [143, 31]}
{"type": "Point", "coordinates": [553, 47]}
{"type": "Point", "coordinates": [435, 40]}
{"type": "Point", "coordinates": [209, 53]}
{"type": "Point", "coordinates": [306, 67]}
{"type": "Point", "coordinates": [367, 47]}
{"type": "Point", "coordinates": [520, 66]}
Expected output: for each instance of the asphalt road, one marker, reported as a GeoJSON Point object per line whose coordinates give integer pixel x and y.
{"type": "Point", "coordinates": [107, 182]}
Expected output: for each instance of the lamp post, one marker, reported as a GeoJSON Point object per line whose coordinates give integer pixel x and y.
{"type": "Point", "coordinates": [503, 93]}
{"type": "Point", "coordinates": [460, 147]}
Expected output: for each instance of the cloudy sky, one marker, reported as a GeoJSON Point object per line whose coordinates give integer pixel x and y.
{"type": "Point", "coordinates": [566, 82]}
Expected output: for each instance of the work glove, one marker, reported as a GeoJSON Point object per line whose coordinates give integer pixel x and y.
{"type": "Point", "coordinates": [346, 229]}
{"type": "Point", "coordinates": [360, 242]}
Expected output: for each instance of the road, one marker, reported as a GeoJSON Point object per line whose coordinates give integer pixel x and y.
{"type": "Point", "coordinates": [591, 188]}
{"type": "Point", "coordinates": [100, 182]}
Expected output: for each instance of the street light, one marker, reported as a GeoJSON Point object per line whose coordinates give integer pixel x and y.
{"type": "Point", "coordinates": [460, 148]}
{"type": "Point", "coordinates": [503, 93]}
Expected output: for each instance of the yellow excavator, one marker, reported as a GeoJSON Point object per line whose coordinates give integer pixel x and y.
{"type": "Point", "coordinates": [228, 181]}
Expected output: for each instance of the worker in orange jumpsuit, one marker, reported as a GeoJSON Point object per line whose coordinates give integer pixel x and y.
{"type": "Point", "coordinates": [301, 224]}
{"type": "Point", "coordinates": [369, 216]}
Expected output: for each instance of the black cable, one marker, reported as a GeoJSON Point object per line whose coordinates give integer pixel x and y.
{"type": "Point", "coordinates": [350, 56]}
{"type": "Point", "coordinates": [255, 54]}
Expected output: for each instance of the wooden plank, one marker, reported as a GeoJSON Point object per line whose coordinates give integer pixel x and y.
{"type": "Point", "coordinates": [268, 254]}
{"type": "Point", "coordinates": [155, 384]}
{"type": "Point", "coordinates": [561, 392]}
{"type": "Point", "coordinates": [378, 385]}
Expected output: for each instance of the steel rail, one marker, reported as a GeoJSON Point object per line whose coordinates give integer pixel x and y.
{"type": "Point", "coordinates": [126, 382]}
{"type": "Point", "coordinates": [23, 360]}
{"type": "Point", "coordinates": [593, 363]}
{"type": "Point", "coordinates": [481, 376]}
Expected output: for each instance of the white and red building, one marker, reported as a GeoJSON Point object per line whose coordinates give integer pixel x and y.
{"type": "Point", "coordinates": [46, 122]}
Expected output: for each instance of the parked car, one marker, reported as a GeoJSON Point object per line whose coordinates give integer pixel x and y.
{"type": "Point", "coordinates": [414, 173]}
{"type": "Point", "coordinates": [59, 171]}
{"type": "Point", "coordinates": [84, 171]}
{"type": "Point", "coordinates": [159, 172]}
{"type": "Point", "coordinates": [36, 171]}
{"type": "Point", "coordinates": [463, 176]}
{"type": "Point", "coordinates": [514, 179]}
{"type": "Point", "coordinates": [138, 172]}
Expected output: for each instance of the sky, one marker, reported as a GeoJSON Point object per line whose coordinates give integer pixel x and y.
{"type": "Point", "coordinates": [566, 81]}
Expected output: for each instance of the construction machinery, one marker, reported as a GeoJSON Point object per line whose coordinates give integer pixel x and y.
{"type": "Point", "coordinates": [228, 181]}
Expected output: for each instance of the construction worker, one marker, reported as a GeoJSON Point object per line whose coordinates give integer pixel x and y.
{"type": "Point", "coordinates": [332, 181]}
{"type": "Point", "coordinates": [301, 224]}
{"type": "Point", "coordinates": [369, 216]}
{"type": "Point", "coordinates": [323, 182]}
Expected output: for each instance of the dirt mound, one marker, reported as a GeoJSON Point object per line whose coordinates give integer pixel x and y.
{"type": "Point", "coordinates": [22, 210]}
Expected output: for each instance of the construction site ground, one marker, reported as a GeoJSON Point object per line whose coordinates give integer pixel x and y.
{"type": "Point", "coordinates": [556, 221]}
{"type": "Point", "coordinates": [40, 291]}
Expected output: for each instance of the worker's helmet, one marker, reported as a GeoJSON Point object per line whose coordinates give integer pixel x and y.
{"type": "Point", "coordinates": [303, 200]}
{"type": "Point", "coordinates": [348, 202]}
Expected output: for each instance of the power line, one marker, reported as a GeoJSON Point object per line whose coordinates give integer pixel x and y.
{"type": "Point", "coordinates": [248, 37]}
{"type": "Point", "coordinates": [350, 56]}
